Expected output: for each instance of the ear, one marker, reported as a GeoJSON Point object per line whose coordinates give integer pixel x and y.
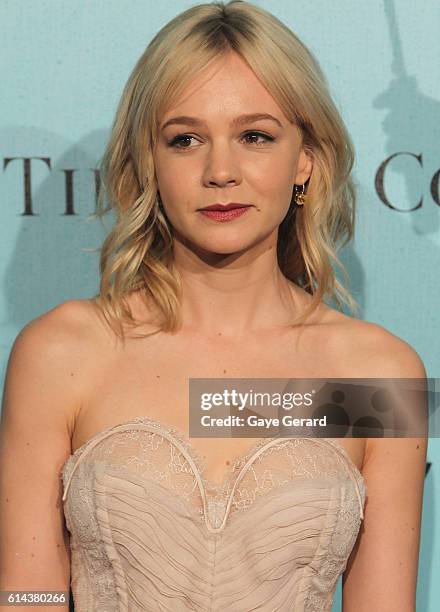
{"type": "Point", "coordinates": [304, 167]}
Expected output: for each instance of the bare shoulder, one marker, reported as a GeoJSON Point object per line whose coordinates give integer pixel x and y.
{"type": "Point", "coordinates": [51, 352]}
{"type": "Point", "coordinates": [67, 318]}
{"type": "Point", "coordinates": [373, 351]}
{"type": "Point", "coordinates": [59, 332]}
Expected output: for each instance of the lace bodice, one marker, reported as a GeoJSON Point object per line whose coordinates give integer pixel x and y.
{"type": "Point", "coordinates": [149, 532]}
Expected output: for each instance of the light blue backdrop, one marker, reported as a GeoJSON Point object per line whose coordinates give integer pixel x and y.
{"type": "Point", "coordinates": [63, 66]}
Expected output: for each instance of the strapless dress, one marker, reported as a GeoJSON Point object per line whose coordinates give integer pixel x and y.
{"type": "Point", "coordinates": [149, 532]}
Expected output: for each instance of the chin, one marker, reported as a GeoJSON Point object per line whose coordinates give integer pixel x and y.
{"type": "Point", "coordinates": [224, 249]}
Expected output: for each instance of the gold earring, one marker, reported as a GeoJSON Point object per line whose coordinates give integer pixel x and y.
{"type": "Point", "coordinates": [300, 196]}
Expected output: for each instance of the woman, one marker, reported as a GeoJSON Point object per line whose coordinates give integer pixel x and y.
{"type": "Point", "coordinates": [226, 105]}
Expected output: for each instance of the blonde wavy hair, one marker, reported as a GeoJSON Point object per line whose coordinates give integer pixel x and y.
{"type": "Point", "coordinates": [137, 253]}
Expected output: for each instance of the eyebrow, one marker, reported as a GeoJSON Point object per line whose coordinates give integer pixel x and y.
{"type": "Point", "coordinates": [237, 121]}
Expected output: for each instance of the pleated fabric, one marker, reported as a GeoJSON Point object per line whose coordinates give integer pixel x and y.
{"type": "Point", "coordinates": [149, 532]}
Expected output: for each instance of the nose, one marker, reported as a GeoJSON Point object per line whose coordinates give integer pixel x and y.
{"type": "Point", "coordinates": [221, 168]}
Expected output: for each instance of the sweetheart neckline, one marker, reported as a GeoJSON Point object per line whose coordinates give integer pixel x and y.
{"type": "Point", "coordinates": [226, 489]}
{"type": "Point", "coordinates": [195, 454]}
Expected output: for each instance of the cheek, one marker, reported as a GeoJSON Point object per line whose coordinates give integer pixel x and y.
{"type": "Point", "coordinates": [169, 184]}
{"type": "Point", "coordinates": [180, 196]}
{"type": "Point", "coordinates": [275, 188]}
{"type": "Point", "coordinates": [275, 174]}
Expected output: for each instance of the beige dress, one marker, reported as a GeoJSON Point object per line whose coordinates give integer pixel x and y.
{"type": "Point", "coordinates": [149, 532]}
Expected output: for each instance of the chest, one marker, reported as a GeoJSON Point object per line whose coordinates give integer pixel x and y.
{"type": "Point", "coordinates": [152, 379]}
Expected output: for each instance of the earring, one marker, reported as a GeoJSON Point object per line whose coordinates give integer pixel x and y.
{"type": "Point", "coordinates": [299, 196]}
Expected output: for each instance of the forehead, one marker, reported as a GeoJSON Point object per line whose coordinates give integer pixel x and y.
{"type": "Point", "coordinates": [226, 88]}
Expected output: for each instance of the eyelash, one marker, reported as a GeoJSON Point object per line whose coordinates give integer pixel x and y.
{"type": "Point", "coordinates": [174, 141]}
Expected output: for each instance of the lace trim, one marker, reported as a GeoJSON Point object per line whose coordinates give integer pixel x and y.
{"type": "Point", "coordinates": [197, 457]}
{"type": "Point", "coordinates": [217, 498]}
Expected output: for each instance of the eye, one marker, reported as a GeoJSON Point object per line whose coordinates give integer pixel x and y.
{"type": "Point", "coordinates": [178, 140]}
{"type": "Point", "coordinates": [266, 137]}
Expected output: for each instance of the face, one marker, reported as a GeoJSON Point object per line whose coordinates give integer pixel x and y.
{"type": "Point", "coordinates": [210, 157]}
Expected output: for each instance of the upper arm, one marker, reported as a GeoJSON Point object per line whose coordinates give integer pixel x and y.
{"type": "Point", "coordinates": [381, 572]}
{"type": "Point", "coordinates": [39, 401]}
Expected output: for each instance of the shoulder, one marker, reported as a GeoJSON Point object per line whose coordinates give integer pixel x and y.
{"type": "Point", "coordinates": [54, 331]}
{"type": "Point", "coordinates": [372, 350]}
{"type": "Point", "coordinates": [383, 354]}
{"type": "Point", "coordinates": [46, 380]}
{"type": "Point", "coordinates": [51, 353]}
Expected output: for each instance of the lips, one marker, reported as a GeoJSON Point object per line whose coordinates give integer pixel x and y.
{"type": "Point", "coordinates": [224, 207]}
{"type": "Point", "coordinates": [223, 215]}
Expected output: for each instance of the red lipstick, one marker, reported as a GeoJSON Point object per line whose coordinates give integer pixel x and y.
{"type": "Point", "coordinates": [225, 212]}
